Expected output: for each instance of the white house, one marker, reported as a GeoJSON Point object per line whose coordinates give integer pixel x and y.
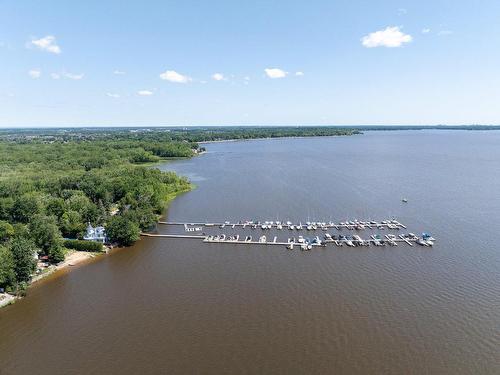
{"type": "Point", "coordinates": [97, 234]}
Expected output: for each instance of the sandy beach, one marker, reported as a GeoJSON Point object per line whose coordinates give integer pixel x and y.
{"type": "Point", "coordinates": [73, 258]}
{"type": "Point", "coordinates": [6, 299]}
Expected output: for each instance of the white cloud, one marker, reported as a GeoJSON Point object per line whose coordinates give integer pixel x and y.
{"type": "Point", "coordinates": [275, 73]}
{"type": "Point", "coordinates": [445, 32]}
{"type": "Point", "coordinates": [426, 30]}
{"type": "Point", "coordinates": [246, 78]}
{"type": "Point", "coordinates": [144, 93]}
{"type": "Point", "coordinates": [218, 77]}
{"type": "Point", "coordinates": [111, 95]}
{"type": "Point", "coordinates": [173, 76]}
{"type": "Point", "coordinates": [389, 37]}
{"type": "Point", "coordinates": [73, 76]}
{"type": "Point", "coordinates": [35, 73]}
{"type": "Point", "coordinates": [299, 74]}
{"type": "Point", "coordinates": [119, 72]}
{"type": "Point", "coordinates": [47, 43]}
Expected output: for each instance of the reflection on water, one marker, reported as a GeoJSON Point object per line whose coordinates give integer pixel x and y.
{"type": "Point", "coordinates": [181, 306]}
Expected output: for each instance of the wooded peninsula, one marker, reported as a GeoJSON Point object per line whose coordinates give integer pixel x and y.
{"type": "Point", "coordinates": [56, 182]}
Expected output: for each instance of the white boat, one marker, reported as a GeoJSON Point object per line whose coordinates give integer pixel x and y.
{"type": "Point", "coordinates": [422, 242]}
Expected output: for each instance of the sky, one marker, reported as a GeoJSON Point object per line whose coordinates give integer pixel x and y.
{"type": "Point", "coordinates": [221, 62]}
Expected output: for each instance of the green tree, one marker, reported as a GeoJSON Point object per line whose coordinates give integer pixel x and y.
{"type": "Point", "coordinates": [7, 275]}
{"type": "Point", "coordinates": [23, 254]}
{"type": "Point", "coordinates": [55, 207]}
{"type": "Point", "coordinates": [146, 219]}
{"type": "Point", "coordinates": [6, 231]}
{"type": "Point", "coordinates": [72, 224]}
{"type": "Point", "coordinates": [122, 230]}
{"type": "Point", "coordinates": [57, 253]}
{"type": "Point", "coordinates": [46, 235]}
{"type": "Point", "coordinates": [25, 207]}
{"type": "Point", "coordinates": [6, 205]}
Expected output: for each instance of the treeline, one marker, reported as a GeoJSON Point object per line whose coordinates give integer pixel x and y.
{"type": "Point", "coordinates": [176, 139]}
{"type": "Point", "coordinates": [226, 133]}
{"type": "Point", "coordinates": [50, 191]}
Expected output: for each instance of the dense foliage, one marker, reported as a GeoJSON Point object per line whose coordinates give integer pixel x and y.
{"type": "Point", "coordinates": [51, 188]}
{"type": "Point", "coordinates": [80, 245]}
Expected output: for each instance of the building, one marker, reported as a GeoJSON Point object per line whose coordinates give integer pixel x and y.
{"type": "Point", "coordinates": [97, 234]}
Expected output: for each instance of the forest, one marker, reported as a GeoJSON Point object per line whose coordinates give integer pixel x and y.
{"type": "Point", "coordinates": [51, 190]}
{"type": "Point", "coordinates": [54, 182]}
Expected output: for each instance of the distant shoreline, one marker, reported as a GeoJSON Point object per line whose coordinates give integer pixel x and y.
{"type": "Point", "coordinates": [368, 129]}
{"type": "Point", "coordinates": [287, 137]}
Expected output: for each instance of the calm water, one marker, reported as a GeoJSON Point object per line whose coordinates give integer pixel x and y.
{"type": "Point", "coordinates": [183, 307]}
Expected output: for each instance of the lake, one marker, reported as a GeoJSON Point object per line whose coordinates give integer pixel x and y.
{"type": "Point", "coordinates": [182, 306]}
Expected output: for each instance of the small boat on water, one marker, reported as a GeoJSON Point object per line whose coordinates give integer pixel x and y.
{"type": "Point", "coordinates": [377, 241]}
{"type": "Point", "coordinates": [422, 242]}
{"type": "Point", "coordinates": [428, 239]}
{"type": "Point", "coordinates": [404, 200]}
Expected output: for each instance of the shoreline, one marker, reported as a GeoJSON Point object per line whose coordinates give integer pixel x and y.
{"type": "Point", "coordinates": [72, 259]}
{"type": "Point", "coordinates": [288, 137]}
{"type": "Point", "coordinates": [78, 258]}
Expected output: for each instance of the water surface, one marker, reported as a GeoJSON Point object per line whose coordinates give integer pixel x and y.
{"type": "Point", "coordinates": [183, 307]}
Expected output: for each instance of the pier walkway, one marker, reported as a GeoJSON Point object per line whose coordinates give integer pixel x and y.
{"type": "Point", "coordinates": [312, 228]}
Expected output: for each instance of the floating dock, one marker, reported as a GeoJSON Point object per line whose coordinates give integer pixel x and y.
{"type": "Point", "coordinates": [351, 224]}
{"type": "Point", "coordinates": [301, 242]}
{"type": "Point", "coordinates": [392, 241]}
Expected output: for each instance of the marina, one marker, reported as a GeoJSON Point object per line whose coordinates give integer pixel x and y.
{"type": "Point", "coordinates": [304, 243]}
{"type": "Point", "coordinates": [281, 225]}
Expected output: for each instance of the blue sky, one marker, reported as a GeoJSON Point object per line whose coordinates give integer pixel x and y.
{"type": "Point", "coordinates": [131, 63]}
